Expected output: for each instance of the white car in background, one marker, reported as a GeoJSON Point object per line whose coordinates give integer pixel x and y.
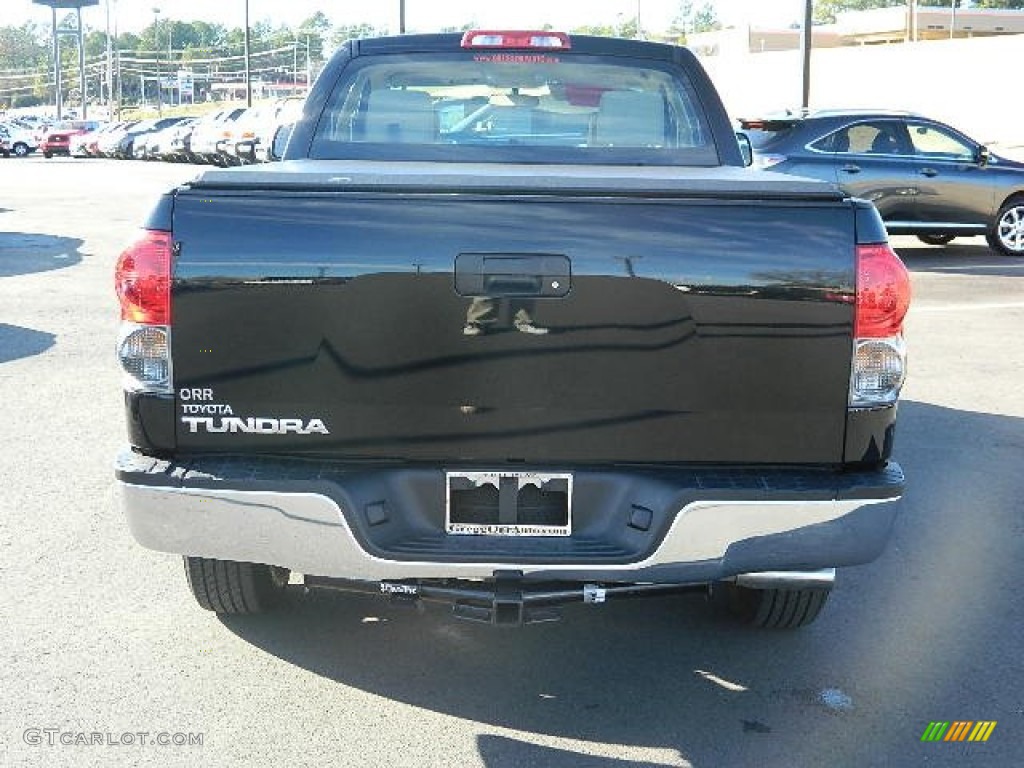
{"type": "Point", "coordinates": [210, 134]}
{"type": "Point", "coordinates": [23, 141]}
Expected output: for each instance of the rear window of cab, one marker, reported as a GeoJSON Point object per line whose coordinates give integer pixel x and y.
{"type": "Point", "coordinates": [514, 106]}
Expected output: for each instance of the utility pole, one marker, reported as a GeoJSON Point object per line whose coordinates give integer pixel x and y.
{"type": "Point", "coordinates": [248, 70]}
{"type": "Point", "coordinates": [952, 17]}
{"type": "Point", "coordinates": [56, 66]}
{"type": "Point", "coordinates": [806, 40]}
{"type": "Point", "coordinates": [156, 46]}
{"type": "Point", "coordinates": [110, 68]}
{"type": "Point", "coordinates": [401, 17]}
{"type": "Point", "coordinates": [117, 53]}
{"type": "Point", "coordinates": [81, 67]}
{"type": "Point", "coordinates": [170, 62]}
{"type": "Point", "coordinates": [911, 21]}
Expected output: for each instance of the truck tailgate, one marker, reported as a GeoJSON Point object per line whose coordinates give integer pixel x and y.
{"type": "Point", "coordinates": [366, 324]}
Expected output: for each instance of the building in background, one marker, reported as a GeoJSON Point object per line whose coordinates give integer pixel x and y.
{"type": "Point", "coordinates": [874, 27]}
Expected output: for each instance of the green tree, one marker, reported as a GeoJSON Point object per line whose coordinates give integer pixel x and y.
{"type": "Point", "coordinates": [681, 22]}
{"type": "Point", "coordinates": [1015, 5]}
{"type": "Point", "coordinates": [315, 31]}
{"type": "Point", "coordinates": [625, 28]}
{"type": "Point", "coordinates": [595, 30]}
{"type": "Point", "coordinates": [95, 43]}
{"type": "Point", "coordinates": [825, 10]}
{"type": "Point", "coordinates": [705, 19]}
{"type": "Point", "coordinates": [127, 41]}
{"type": "Point", "coordinates": [25, 59]}
{"type": "Point", "coordinates": [347, 32]}
{"type": "Point", "coordinates": [23, 47]}
{"type": "Point", "coordinates": [690, 18]}
{"type": "Point", "coordinates": [473, 25]}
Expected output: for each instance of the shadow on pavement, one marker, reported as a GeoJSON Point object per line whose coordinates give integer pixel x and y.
{"type": "Point", "coordinates": [922, 634]}
{"type": "Point", "coordinates": [23, 253]}
{"type": "Point", "coordinates": [17, 342]}
{"type": "Point", "coordinates": [504, 752]}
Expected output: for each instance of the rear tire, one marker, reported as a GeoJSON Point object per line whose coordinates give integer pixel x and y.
{"type": "Point", "coordinates": [20, 149]}
{"type": "Point", "coordinates": [773, 608]}
{"type": "Point", "coordinates": [229, 587]}
{"type": "Point", "coordinates": [1007, 233]}
{"type": "Point", "coordinates": [936, 239]}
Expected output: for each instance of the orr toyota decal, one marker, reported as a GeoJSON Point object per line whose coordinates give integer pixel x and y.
{"type": "Point", "coordinates": [200, 414]}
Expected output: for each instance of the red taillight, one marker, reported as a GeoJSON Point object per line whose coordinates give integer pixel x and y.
{"type": "Point", "coordinates": [479, 38]}
{"type": "Point", "coordinates": [142, 279]}
{"type": "Point", "coordinates": [883, 292]}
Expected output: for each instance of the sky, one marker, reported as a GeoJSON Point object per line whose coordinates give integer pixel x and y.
{"type": "Point", "coordinates": [421, 15]}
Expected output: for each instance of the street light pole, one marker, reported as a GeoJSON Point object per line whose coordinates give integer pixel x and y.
{"type": "Point", "coordinates": [110, 68]}
{"type": "Point", "coordinates": [806, 42]}
{"type": "Point", "coordinates": [56, 67]}
{"type": "Point", "coordinates": [170, 62]}
{"type": "Point", "coordinates": [156, 45]}
{"type": "Point", "coordinates": [82, 85]}
{"type": "Point", "coordinates": [120, 89]}
{"type": "Point", "coordinates": [248, 70]}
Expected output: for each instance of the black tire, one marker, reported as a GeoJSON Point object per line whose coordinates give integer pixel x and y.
{"type": "Point", "coordinates": [47, 155]}
{"type": "Point", "coordinates": [774, 608]}
{"type": "Point", "coordinates": [1007, 233]}
{"type": "Point", "coordinates": [936, 239]}
{"type": "Point", "coordinates": [20, 149]}
{"type": "Point", "coordinates": [229, 587]}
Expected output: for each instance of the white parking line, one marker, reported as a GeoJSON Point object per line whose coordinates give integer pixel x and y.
{"type": "Point", "coordinates": [969, 267]}
{"type": "Point", "coordinates": [914, 309]}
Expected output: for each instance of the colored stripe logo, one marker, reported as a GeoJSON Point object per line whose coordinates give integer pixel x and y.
{"type": "Point", "coordinates": [958, 730]}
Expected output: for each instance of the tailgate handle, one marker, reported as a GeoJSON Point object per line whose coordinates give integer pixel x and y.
{"type": "Point", "coordinates": [513, 285]}
{"type": "Point", "coordinates": [512, 274]}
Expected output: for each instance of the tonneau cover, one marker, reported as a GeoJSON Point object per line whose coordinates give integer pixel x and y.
{"type": "Point", "coordinates": [341, 175]}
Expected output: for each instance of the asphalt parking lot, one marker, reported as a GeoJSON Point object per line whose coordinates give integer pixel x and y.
{"type": "Point", "coordinates": [101, 636]}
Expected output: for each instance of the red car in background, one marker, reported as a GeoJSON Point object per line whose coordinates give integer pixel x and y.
{"type": "Point", "coordinates": [57, 140]}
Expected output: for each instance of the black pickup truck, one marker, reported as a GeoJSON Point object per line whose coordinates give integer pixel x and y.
{"type": "Point", "coordinates": [510, 326]}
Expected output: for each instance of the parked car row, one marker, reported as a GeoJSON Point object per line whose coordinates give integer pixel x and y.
{"type": "Point", "coordinates": [924, 177]}
{"type": "Point", "coordinates": [21, 137]}
{"type": "Point", "coordinates": [234, 136]}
